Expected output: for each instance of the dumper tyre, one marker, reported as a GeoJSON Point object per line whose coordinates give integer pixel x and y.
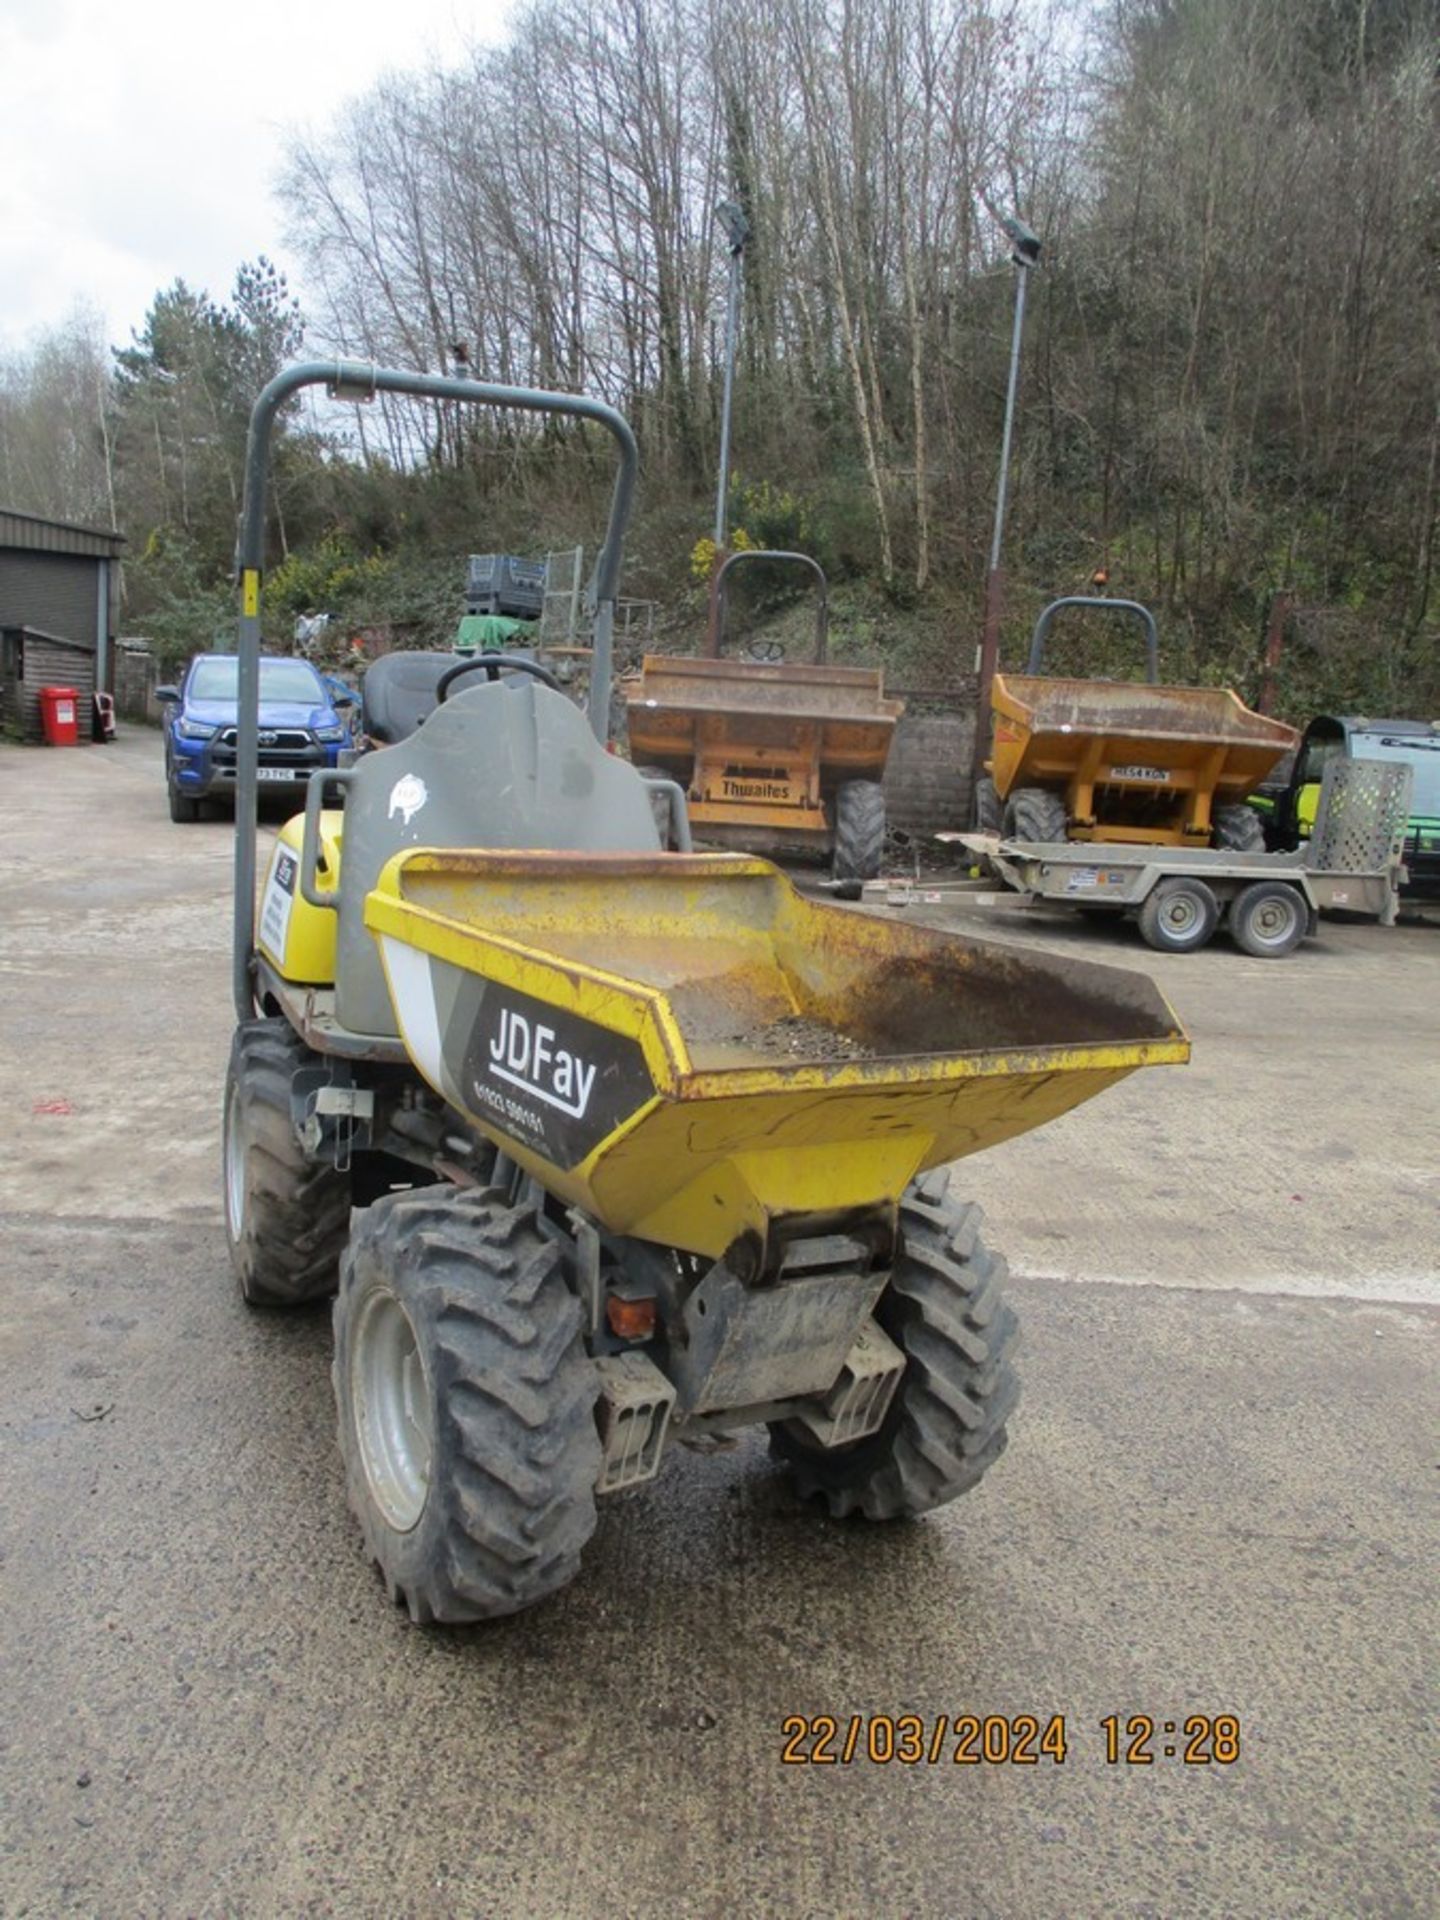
{"type": "Point", "coordinates": [287, 1217]}
{"type": "Point", "coordinates": [1239, 829]}
{"type": "Point", "coordinates": [989, 812]}
{"type": "Point", "coordinates": [946, 1425]}
{"type": "Point", "coordinates": [1036, 817]}
{"type": "Point", "coordinates": [1179, 916]}
{"type": "Point", "coordinates": [466, 1405]}
{"type": "Point", "coordinates": [1269, 919]}
{"type": "Point", "coordinates": [859, 835]}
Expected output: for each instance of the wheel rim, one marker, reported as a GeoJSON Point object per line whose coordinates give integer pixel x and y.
{"type": "Point", "coordinates": [390, 1394]}
{"type": "Point", "coordinates": [1272, 922]}
{"type": "Point", "coordinates": [235, 1157]}
{"type": "Point", "coordinates": [1180, 915]}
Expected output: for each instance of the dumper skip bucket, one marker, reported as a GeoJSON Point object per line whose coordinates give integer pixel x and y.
{"type": "Point", "coordinates": [688, 1049]}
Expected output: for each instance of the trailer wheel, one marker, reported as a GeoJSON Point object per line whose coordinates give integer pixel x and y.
{"type": "Point", "coordinates": [989, 814]}
{"type": "Point", "coordinates": [1239, 829]}
{"type": "Point", "coordinates": [466, 1405]}
{"type": "Point", "coordinates": [946, 1424]}
{"type": "Point", "coordinates": [1036, 817]}
{"type": "Point", "coordinates": [1269, 919]}
{"type": "Point", "coordinates": [859, 835]}
{"type": "Point", "coordinates": [1179, 916]}
{"type": "Point", "coordinates": [286, 1217]}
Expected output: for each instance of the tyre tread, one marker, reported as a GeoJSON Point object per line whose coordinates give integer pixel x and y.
{"type": "Point", "coordinates": [946, 1426]}
{"type": "Point", "coordinates": [859, 830]}
{"type": "Point", "coordinates": [1036, 816]}
{"type": "Point", "coordinates": [988, 811]}
{"type": "Point", "coordinates": [297, 1209]}
{"type": "Point", "coordinates": [517, 1450]}
{"type": "Point", "coordinates": [1238, 829]}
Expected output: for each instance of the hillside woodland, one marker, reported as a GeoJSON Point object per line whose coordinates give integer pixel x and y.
{"type": "Point", "coordinates": [1230, 383]}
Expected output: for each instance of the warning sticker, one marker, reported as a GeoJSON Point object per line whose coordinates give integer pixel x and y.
{"type": "Point", "coordinates": [1094, 880]}
{"type": "Point", "coordinates": [278, 903]}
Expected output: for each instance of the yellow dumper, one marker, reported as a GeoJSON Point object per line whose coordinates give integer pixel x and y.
{"type": "Point", "coordinates": [1098, 760]}
{"type": "Point", "coordinates": [601, 1148]}
{"type": "Point", "coordinates": [774, 758]}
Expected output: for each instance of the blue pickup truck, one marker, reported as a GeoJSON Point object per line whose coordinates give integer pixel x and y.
{"type": "Point", "coordinates": [301, 728]}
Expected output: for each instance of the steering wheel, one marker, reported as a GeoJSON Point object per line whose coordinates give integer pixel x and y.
{"type": "Point", "coordinates": [494, 664]}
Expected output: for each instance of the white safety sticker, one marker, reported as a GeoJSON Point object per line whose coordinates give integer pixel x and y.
{"type": "Point", "coordinates": [407, 797]}
{"type": "Point", "coordinates": [278, 903]}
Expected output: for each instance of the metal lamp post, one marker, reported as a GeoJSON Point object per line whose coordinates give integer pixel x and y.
{"type": "Point", "coordinates": [1025, 253]}
{"type": "Point", "coordinates": [737, 232]}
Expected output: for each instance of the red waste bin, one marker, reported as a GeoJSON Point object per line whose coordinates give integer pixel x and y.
{"type": "Point", "coordinates": [58, 708]}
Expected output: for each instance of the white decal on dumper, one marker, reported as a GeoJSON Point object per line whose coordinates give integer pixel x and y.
{"type": "Point", "coordinates": [524, 1053]}
{"type": "Point", "coordinates": [279, 899]}
{"type": "Point", "coordinates": [407, 797]}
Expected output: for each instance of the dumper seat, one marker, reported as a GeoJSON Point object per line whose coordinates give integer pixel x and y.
{"type": "Point", "coordinates": [399, 692]}
{"type": "Point", "coordinates": [507, 764]}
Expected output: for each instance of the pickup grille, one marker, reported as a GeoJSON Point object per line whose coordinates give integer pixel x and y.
{"type": "Point", "coordinates": [273, 739]}
{"type": "Point", "coordinates": [284, 747]}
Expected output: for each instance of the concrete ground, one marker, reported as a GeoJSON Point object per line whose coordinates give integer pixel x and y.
{"type": "Point", "coordinates": [1219, 1497]}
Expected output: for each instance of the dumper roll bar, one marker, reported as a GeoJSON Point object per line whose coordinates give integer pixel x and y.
{"type": "Point", "coordinates": [822, 610]}
{"type": "Point", "coordinates": [1131, 608]}
{"type": "Point", "coordinates": [356, 380]}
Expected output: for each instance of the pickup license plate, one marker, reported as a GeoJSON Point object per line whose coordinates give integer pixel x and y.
{"type": "Point", "coordinates": [282, 773]}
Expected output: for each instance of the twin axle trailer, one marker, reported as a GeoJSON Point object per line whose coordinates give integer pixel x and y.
{"type": "Point", "coordinates": [1181, 896]}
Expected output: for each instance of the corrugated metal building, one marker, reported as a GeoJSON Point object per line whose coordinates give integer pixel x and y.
{"type": "Point", "coordinates": [57, 612]}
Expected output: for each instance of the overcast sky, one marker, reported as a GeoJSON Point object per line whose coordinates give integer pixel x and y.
{"type": "Point", "coordinates": [142, 138]}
